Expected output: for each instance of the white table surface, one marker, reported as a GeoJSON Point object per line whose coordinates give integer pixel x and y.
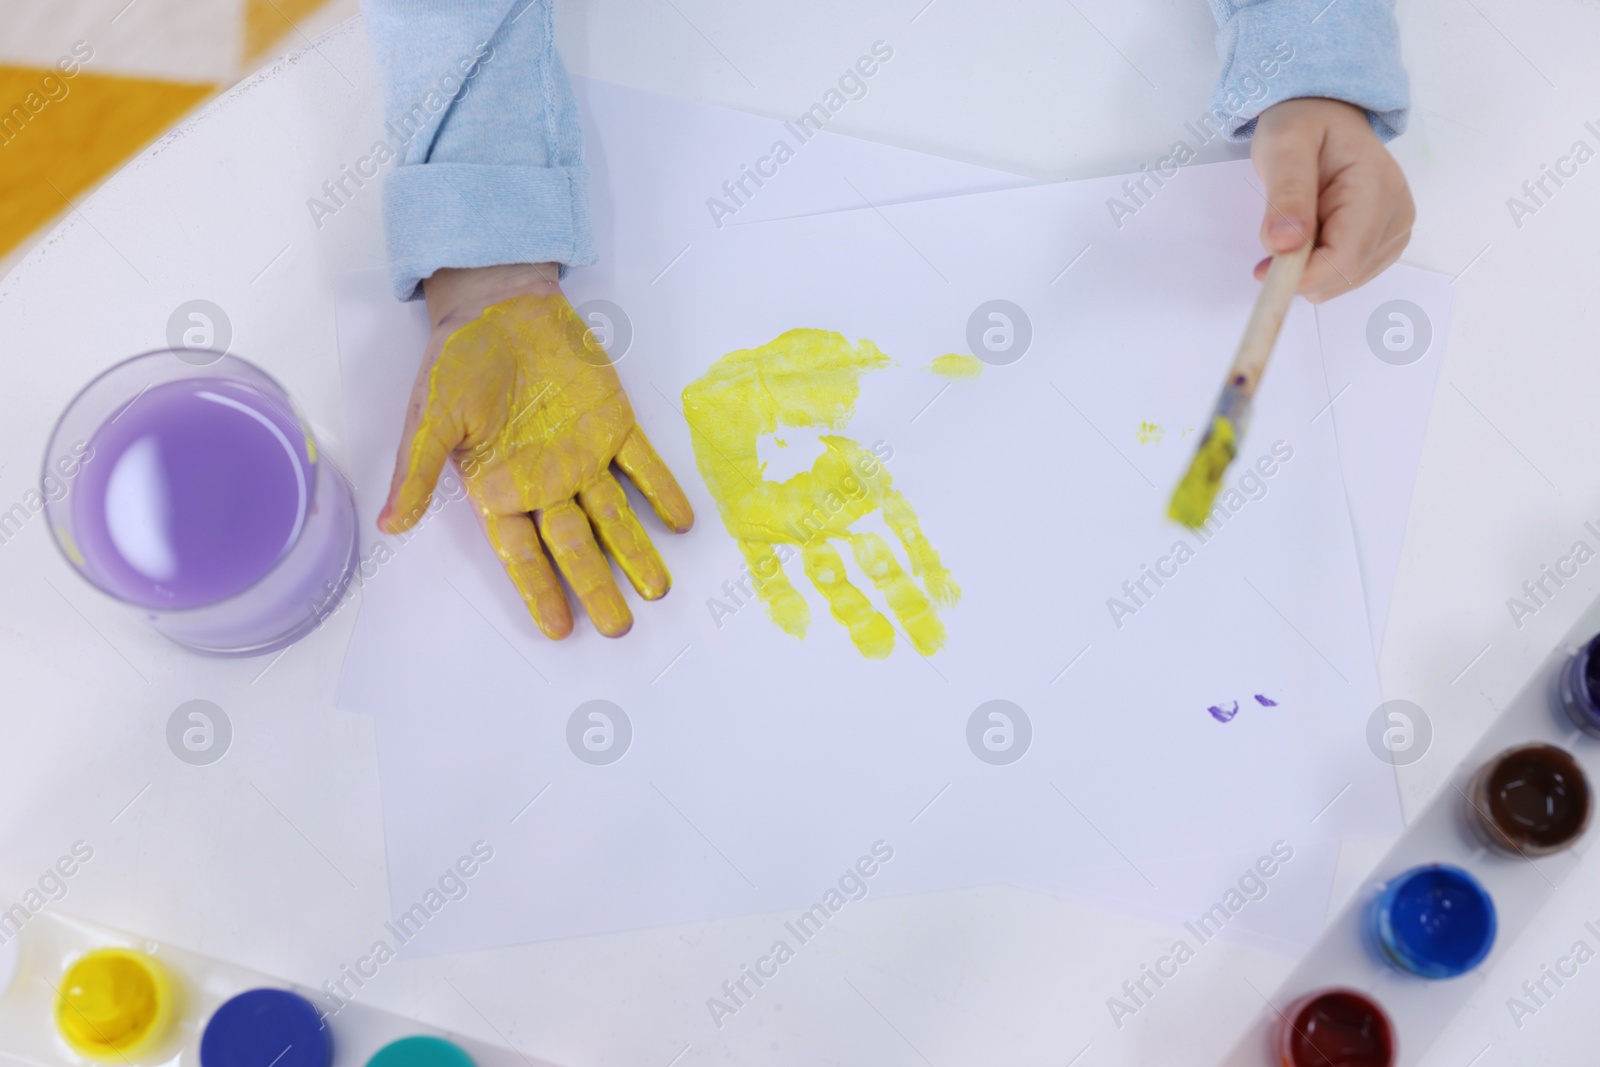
{"type": "Point", "coordinates": [274, 857]}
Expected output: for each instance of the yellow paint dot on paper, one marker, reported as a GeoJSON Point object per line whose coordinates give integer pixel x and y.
{"type": "Point", "coordinates": [1149, 433]}
{"type": "Point", "coordinates": [956, 366]}
{"type": "Point", "coordinates": [811, 379]}
{"type": "Point", "coordinates": [114, 1004]}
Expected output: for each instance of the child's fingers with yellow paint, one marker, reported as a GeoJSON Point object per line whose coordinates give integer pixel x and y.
{"type": "Point", "coordinates": [516, 542]}
{"type": "Point", "coordinates": [917, 615]}
{"type": "Point", "coordinates": [433, 431]}
{"type": "Point", "coordinates": [624, 539]}
{"type": "Point", "coordinates": [565, 530]}
{"type": "Point", "coordinates": [785, 605]}
{"type": "Point", "coordinates": [644, 468]}
{"type": "Point", "coordinates": [869, 630]}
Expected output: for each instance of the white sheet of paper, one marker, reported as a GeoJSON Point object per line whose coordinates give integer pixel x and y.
{"type": "Point", "coordinates": [689, 149]}
{"type": "Point", "coordinates": [1381, 414]}
{"type": "Point", "coordinates": [761, 765]}
{"type": "Point", "coordinates": [1382, 405]}
{"type": "Point", "coordinates": [655, 161]}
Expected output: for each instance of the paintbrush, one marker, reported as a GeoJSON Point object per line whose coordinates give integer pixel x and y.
{"type": "Point", "coordinates": [1192, 500]}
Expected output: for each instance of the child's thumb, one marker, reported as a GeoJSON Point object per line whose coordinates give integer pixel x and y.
{"type": "Point", "coordinates": [417, 471]}
{"type": "Point", "coordinates": [1287, 163]}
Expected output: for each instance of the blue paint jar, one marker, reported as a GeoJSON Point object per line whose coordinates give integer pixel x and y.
{"type": "Point", "coordinates": [258, 1025]}
{"type": "Point", "coordinates": [1580, 686]}
{"type": "Point", "coordinates": [1434, 921]}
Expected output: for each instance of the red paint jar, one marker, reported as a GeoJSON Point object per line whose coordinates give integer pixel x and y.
{"type": "Point", "coordinates": [1334, 1028]}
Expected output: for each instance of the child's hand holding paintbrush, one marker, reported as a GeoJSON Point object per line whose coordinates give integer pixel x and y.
{"type": "Point", "coordinates": [1337, 201]}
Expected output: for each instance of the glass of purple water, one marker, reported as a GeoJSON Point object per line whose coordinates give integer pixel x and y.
{"type": "Point", "coordinates": [184, 483]}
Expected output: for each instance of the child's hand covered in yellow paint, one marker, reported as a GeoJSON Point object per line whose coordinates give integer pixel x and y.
{"type": "Point", "coordinates": [811, 378]}
{"type": "Point", "coordinates": [514, 389]}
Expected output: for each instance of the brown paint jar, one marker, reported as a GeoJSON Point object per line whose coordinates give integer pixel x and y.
{"type": "Point", "coordinates": [1530, 800]}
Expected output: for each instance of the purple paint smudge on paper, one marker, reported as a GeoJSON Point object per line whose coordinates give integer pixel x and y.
{"type": "Point", "coordinates": [1223, 714]}
{"type": "Point", "coordinates": [1266, 702]}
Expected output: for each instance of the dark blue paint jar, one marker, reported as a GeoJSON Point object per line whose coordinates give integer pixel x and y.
{"type": "Point", "coordinates": [1580, 688]}
{"type": "Point", "coordinates": [266, 1026]}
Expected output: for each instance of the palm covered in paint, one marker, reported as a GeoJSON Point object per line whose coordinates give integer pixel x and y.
{"type": "Point", "coordinates": [525, 402]}
{"type": "Point", "coordinates": [810, 379]}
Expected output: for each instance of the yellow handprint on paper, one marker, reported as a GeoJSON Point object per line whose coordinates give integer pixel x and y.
{"type": "Point", "coordinates": [811, 379]}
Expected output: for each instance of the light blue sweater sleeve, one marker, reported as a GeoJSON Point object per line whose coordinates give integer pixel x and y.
{"type": "Point", "coordinates": [481, 116]}
{"type": "Point", "coordinates": [1276, 50]}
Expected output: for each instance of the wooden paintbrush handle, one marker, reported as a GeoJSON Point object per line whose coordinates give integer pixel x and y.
{"type": "Point", "coordinates": [1261, 333]}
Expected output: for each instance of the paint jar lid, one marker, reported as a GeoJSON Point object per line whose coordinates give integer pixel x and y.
{"type": "Point", "coordinates": [1529, 800]}
{"type": "Point", "coordinates": [114, 1004]}
{"type": "Point", "coordinates": [260, 1024]}
{"type": "Point", "coordinates": [1434, 921]}
{"type": "Point", "coordinates": [420, 1052]}
{"type": "Point", "coordinates": [1580, 688]}
{"type": "Point", "coordinates": [1338, 1027]}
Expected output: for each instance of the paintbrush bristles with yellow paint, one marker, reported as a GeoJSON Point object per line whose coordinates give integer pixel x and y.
{"type": "Point", "coordinates": [1192, 500]}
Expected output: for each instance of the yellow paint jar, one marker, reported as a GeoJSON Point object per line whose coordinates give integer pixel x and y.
{"type": "Point", "coordinates": [114, 1004]}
